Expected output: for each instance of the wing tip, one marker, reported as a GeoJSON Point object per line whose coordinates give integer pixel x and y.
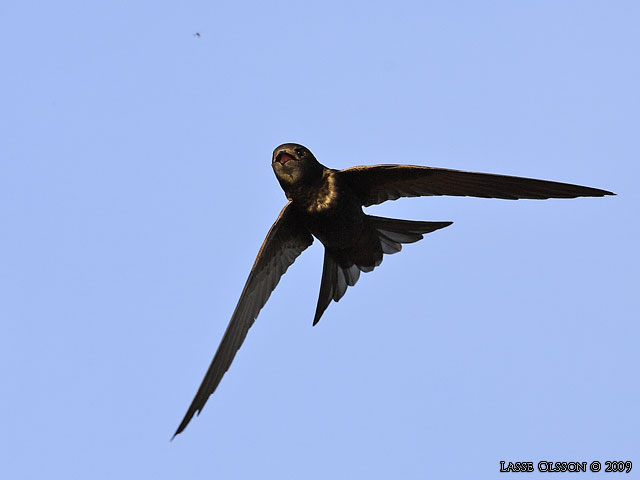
{"type": "Point", "coordinates": [180, 429]}
{"type": "Point", "coordinates": [595, 192]}
{"type": "Point", "coordinates": [186, 420]}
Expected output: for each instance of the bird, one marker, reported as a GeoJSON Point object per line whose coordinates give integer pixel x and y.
{"type": "Point", "coordinates": [326, 204]}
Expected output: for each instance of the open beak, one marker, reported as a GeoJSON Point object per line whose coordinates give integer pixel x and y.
{"type": "Point", "coordinates": [283, 158]}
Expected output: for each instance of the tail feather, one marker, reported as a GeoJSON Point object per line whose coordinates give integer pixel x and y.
{"type": "Point", "coordinates": [330, 287]}
{"type": "Point", "coordinates": [406, 237]}
{"type": "Point", "coordinates": [406, 228]}
{"type": "Point", "coordinates": [392, 233]}
{"type": "Point", "coordinates": [389, 246]}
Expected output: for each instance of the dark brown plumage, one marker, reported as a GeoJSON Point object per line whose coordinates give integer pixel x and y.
{"type": "Point", "coordinates": [327, 204]}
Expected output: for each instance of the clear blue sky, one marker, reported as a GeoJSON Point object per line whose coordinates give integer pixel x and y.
{"type": "Point", "coordinates": [136, 189]}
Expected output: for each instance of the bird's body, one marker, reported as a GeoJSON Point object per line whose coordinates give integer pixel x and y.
{"type": "Point", "coordinates": [328, 209]}
{"type": "Point", "coordinates": [332, 213]}
{"type": "Point", "coordinates": [327, 204]}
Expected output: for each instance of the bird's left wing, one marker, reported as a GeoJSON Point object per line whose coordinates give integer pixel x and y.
{"type": "Point", "coordinates": [379, 183]}
{"type": "Point", "coordinates": [285, 241]}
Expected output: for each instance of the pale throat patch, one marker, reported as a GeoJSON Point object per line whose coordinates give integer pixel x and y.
{"type": "Point", "coordinates": [327, 196]}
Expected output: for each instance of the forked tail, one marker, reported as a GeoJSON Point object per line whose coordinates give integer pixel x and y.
{"type": "Point", "coordinates": [391, 234]}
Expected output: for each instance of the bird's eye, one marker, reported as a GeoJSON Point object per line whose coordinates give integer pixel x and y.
{"type": "Point", "coordinates": [300, 153]}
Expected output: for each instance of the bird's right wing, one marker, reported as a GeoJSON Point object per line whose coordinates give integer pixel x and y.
{"type": "Point", "coordinates": [379, 183]}
{"type": "Point", "coordinates": [285, 241]}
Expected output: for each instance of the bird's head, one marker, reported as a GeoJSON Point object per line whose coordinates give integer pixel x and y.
{"type": "Point", "coordinates": [293, 163]}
